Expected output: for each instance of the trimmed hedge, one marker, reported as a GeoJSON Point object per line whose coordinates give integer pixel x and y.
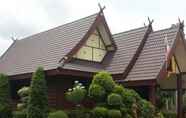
{"type": "Point", "coordinates": [58, 114]}
{"type": "Point", "coordinates": [105, 80]}
{"type": "Point", "coordinates": [19, 114]}
{"type": "Point", "coordinates": [114, 99]}
{"type": "Point", "coordinates": [114, 114]}
{"type": "Point", "coordinates": [100, 112]}
{"type": "Point", "coordinates": [169, 114]}
{"type": "Point", "coordinates": [97, 92]}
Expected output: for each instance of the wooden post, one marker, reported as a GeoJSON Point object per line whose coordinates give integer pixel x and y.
{"type": "Point", "coordinates": [179, 95]}
{"type": "Point", "coordinates": [152, 94]}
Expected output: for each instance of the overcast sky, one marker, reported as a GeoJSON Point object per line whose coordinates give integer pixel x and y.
{"type": "Point", "coordinates": [22, 18]}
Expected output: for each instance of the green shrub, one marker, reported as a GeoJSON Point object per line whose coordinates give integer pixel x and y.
{"type": "Point", "coordinates": [80, 113]}
{"type": "Point", "coordinates": [100, 112]}
{"type": "Point", "coordinates": [19, 114]}
{"type": "Point", "coordinates": [23, 94]}
{"type": "Point", "coordinates": [119, 89]}
{"type": "Point", "coordinates": [97, 92]}
{"type": "Point", "coordinates": [114, 114]}
{"type": "Point", "coordinates": [114, 99]}
{"type": "Point", "coordinates": [169, 114]}
{"type": "Point", "coordinates": [58, 114]}
{"type": "Point", "coordinates": [77, 94]}
{"type": "Point", "coordinates": [38, 102]}
{"type": "Point", "coordinates": [147, 110]}
{"type": "Point", "coordinates": [5, 107]}
{"type": "Point", "coordinates": [105, 80]}
{"type": "Point", "coordinates": [159, 115]}
{"type": "Point", "coordinates": [129, 97]}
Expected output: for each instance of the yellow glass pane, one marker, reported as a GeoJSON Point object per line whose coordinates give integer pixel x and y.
{"type": "Point", "coordinates": [102, 46]}
{"type": "Point", "coordinates": [98, 54]}
{"type": "Point", "coordinates": [84, 53]}
{"type": "Point", "coordinates": [93, 41]}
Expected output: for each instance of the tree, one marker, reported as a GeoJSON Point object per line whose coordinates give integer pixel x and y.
{"type": "Point", "coordinates": [5, 107]}
{"type": "Point", "coordinates": [38, 101]}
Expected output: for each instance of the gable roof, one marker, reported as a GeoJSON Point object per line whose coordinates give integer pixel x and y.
{"type": "Point", "coordinates": [144, 51]}
{"type": "Point", "coordinates": [152, 58]}
{"type": "Point", "coordinates": [127, 43]}
{"type": "Point", "coordinates": [45, 48]}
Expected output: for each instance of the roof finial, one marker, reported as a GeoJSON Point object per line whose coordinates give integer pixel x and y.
{"type": "Point", "coordinates": [13, 39]}
{"type": "Point", "coordinates": [101, 8]}
{"type": "Point", "coordinates": [181, 23]}
{"type": "Point", "coordinates": [150, 21]}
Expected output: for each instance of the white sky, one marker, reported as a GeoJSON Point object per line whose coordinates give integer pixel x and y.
{"type": "Point", "coordinates": [22, 18]}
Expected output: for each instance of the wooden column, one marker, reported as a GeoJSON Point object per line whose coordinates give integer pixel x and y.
{"type": "Point", "coordinates": [179, 95]}
{"type": "Point", "coordinates": [152, 94]}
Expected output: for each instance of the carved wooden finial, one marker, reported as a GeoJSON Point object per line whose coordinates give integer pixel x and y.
{"type": "Point", "coordinates": [101, 8]}
{"type": "Point", "coordinates": [13, 39]}
{"type": "Point", "coordinates": [150, 21]}
{"type": "Point", "coordinates": [181, 23]}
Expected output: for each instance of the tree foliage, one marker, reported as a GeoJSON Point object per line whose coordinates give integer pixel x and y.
{"type": "Point", "coordinates": [38, 101]}
{"type": "Point", "coordinates": [5, 107]}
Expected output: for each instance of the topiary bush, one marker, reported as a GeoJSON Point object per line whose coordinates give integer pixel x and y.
{"type": "Point", "coordinates": [19, 114]}
{"type": "Point", "coordinates": [114, 114]}
{"type": "Point", "coordinates": [119, 89]}
{"type": "Point", "coordinates": [129, 96]}
{"type": "Point", "coordinates": [100, 112]}
{"type": "Point", "coordinates": [77, 94]}
{"type": "Point", "coordinates": [169, 114]}
{"type": "Point", "coordinates": [105, 80]}
{"type": "Point", "coordinates": [5, 107]}
{"type": "Point", "coordinates": [147, 110]}
{"type": "Point", "coordinates": [114, 99]}
{"type": "Point", "coordinates": [79, 113]}
{"type": "Point", "coordinates": [58, 114]}
{"type": "Point", "coordinates": [38, 101]}
{"type": "Point", "coordinates": [97, 92]}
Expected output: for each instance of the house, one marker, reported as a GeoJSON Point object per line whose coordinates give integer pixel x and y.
{"type": "Point", "coordinates": [139, 58]}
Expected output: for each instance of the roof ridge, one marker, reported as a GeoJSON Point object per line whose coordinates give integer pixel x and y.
{"type": "Point", "coordinates": [13, 43]}
{"type": "Point", "coordinates": [57, 27]}
{"type": "Point", "coordinates": [128, 31]}
{"type": "Point", "coordinates": [177, 27]}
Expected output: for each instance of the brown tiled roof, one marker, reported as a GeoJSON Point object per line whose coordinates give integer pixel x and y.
{"type": "Point", "coordinates": [127, 43]}
{"type": "Point", "coordinates": [152, 57]}
{"type": "Point", "coordinates": [48, 48]}
{"type": "Point", "coordinates": [44, 49]}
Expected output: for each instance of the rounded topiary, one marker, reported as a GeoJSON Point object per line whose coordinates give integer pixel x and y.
{"type": "Point", "coordinates": [97, 92]}
{"type": "Point", "coordinates": [58, 114]}
{"type": "Point", "coordinates": [19, 114]}
{"type": "Point", "coordinates": [5, 107]}
{"type": "Point", "coordinates": [129, 97]}
{"type": "Point", "coordinates": [105, 80]}
{"type": "Point", "coordinates": [119, 89]}
{"type": "Point", "coordinates": [38, 98]}
{"type": "Point", "coordinates": [147, 110]}
{"type": "Point", "coordinates": [100, 112]}
{"type": "Point", "coordinates": [114, 99]}
{"type": "Point", "coordinates": [114, 114]}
